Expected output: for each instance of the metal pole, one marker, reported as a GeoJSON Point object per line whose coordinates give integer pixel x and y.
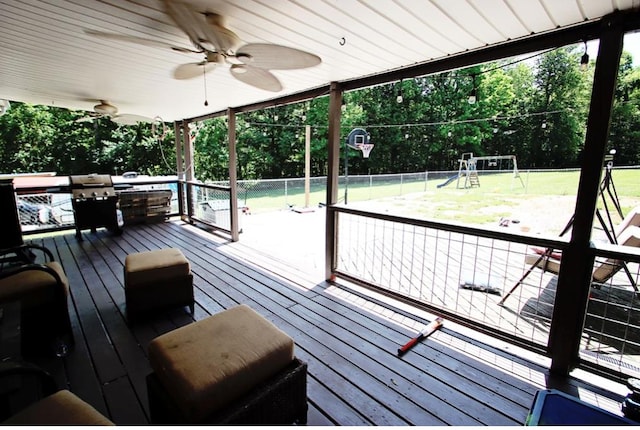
{"type": "Point", "coordinates": [307, 164]}
{"type": "Point", "coordinates": [233, 177]}
{"type": "Point", "coordinates": [346, 171]}
{"type": "Point", "coordinates": [333, 157]}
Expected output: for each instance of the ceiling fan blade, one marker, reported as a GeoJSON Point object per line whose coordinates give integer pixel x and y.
{"type": "Point", "coordinates": [205, 30]}
{"type": "Point", "coordinates": [193, 70]}
{"type": "Point", "coordinates": [259, 78]}
{"type": "Point", "coordinates": [276, 57]}
{"type": "Point", "coordinates": [130, 119]}
{"type": "Point", "coordinates": [85, 119]}
{"type": "Point", "coordinates": [137, 40]}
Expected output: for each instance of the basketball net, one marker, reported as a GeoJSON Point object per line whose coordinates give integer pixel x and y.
{"type": "Point", "coordinates": [366, 149]}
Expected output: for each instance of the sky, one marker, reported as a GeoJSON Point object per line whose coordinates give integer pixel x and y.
{"type": "Point", "coordinates": [631, 45]}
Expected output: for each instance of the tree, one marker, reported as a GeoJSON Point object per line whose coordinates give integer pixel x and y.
{"type": "Point", "coordinates": [535, 110]}
{"type": "Point", "coordinates": [624, 133]}
{"type": "Point", "coordinates": [557, 133]}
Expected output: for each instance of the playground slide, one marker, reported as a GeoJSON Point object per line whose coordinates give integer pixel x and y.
{"type": "Point", "coordinates": [448, 181]}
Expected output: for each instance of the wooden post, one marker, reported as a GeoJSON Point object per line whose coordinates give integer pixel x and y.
{"type": "Point", "coordinates": [333, 159]}
{"type": "Point", "coordinates": [179, 169]}
{"type": "Point", "coordinates": [233, 176]}
{"type": "Point", "coordinates": [307, 164]}
{"type": "Point", "coordinates": [189, 169]}
{"type": "Point", "coordinates": [574, 278]}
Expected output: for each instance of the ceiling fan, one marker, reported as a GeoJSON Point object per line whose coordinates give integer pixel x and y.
{"type": "Point", "coordinates": [104, 109]}
{"type": "Point", "coordinates": [251, 63]}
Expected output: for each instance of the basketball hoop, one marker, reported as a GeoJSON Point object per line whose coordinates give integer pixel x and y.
{"type": "Point", "coordinates": [366, 149]}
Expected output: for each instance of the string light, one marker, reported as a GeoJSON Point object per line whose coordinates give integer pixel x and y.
{"type": "Point", "coordinates": [584, 60]}
{"type": "Point", "coordinates": [399, 97]}
{"type": "Point", "coordinates": [422, 124]}
{"type": "Point", "coordinates": [472, 95]}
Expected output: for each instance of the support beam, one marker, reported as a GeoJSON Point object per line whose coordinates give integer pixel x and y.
{"type": "Point", "coordinates": [574, 279]}
{"type": "Point", "coordinates": [333, 160]}
{"type": "Point", "coordinates": [233, 176]}
{"type": "Point", "coordinates": [177, 129]}
{"type": "Point", "coordinates": [307, 164]}
{"type": "Point", "coordinates": [189, 169]}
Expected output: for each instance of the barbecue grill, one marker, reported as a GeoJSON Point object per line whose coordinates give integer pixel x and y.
{"type": "Point", "coordinates": [95, 203]}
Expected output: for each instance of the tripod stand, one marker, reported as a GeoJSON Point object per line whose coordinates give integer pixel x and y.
{"type": "Point", "coordinates": [606, 188]}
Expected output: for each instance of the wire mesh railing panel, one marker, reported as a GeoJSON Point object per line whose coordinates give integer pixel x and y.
{"type": "Point", "coordinates": [611, 333]}
{"type": "Point", "coordinates": [44, 211]}
{"type": "Point", "coordinates": [457, 273]}
{"type": "Point", "coordinates": [212, 205]}
{"type": "Point", "coordinates": [278, 194]}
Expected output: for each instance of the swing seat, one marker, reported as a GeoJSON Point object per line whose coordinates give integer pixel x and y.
{"type": "Point", "coordinates": [550, 262]}
{"type": "Point", "coordinates": [627, 233]}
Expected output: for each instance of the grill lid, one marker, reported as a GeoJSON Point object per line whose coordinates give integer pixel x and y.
{"type": "Point", "coordinates": [92, 180]}
{"type": "Point", "coordinates": [91, 186]}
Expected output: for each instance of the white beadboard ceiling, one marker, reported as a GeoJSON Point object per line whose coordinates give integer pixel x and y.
{"type": "Point", "coordinates": [46, 57]}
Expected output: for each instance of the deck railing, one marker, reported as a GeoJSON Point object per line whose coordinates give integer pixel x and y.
{"type": "Point", "coordinates": [41, 209]}
{"type": "Point", "coordinates": [611, 332]}
{"type": "Point", "coordinates": [455, 270]}
{"type": "Point", "coordinates": [208, 204]}
{"type": "Point", "coordinates": [465, 273]}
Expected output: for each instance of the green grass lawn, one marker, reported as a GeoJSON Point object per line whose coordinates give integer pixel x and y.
{"type": "Point", "coordinates": [499, 195]}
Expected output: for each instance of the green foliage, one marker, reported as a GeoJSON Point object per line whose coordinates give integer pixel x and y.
{"type": "Point", "coordinates": [43, 138]}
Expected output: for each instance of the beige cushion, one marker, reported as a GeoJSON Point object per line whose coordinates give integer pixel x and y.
{"type": "Point", "coordinates": [548, 264]}
{"type": "Point", "coordinates": [630, 236]}
{"type": "Point", "coordinates": [61, 408]}
{"type": "Point", "coordinates": [632, 219]}
{"type": "Point", "coordinates": [151, 266]}
{"type": "Point", "coordinates": [33, 287]}
{"type": "Point", "coordinates": [208, 364]}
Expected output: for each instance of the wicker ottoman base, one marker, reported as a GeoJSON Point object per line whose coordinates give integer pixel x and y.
{"type": "Point", "coordinates": [280, 400]}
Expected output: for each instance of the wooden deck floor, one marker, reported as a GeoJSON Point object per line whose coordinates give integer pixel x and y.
{"type": "Point", "coordinates": [348, 339]}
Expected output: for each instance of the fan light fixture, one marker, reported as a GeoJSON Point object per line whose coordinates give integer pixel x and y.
{"type": "Point", "coordinates": [4, 106]}
{"type": "Point", "coordinates": [238, 69]}
{"type": "Point", "coordinates": [105, 108]}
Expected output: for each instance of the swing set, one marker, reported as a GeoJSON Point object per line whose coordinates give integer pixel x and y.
{"type": "Point", "coordinates": [468, 168]}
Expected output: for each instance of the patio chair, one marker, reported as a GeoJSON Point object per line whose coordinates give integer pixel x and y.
{"type": "Point", "coordinates": [627, 233]}
{"type": "Point", "coordinates": [12, 247]}
{"type": "Point", "coordinates": [31, 397]}
{"type": "Point", "coordinates": [41, 290]}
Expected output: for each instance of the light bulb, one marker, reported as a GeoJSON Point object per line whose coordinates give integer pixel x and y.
{"type": "Point", "coordinates": [584, 61]}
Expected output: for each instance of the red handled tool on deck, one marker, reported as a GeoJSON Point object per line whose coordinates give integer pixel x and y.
{"type": "Point", "coordinates": [426, 332]}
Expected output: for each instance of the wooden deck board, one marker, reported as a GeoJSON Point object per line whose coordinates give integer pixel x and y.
{"type": "Point", "coordinates": [349, 340]}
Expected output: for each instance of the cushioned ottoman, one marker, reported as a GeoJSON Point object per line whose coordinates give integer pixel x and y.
{"type": "Point", "coordinates": [155, 280]}
{"type": "Point", "coordinates": [62, 408]}
{"type": "Point", "coordinates": [234, 367]}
